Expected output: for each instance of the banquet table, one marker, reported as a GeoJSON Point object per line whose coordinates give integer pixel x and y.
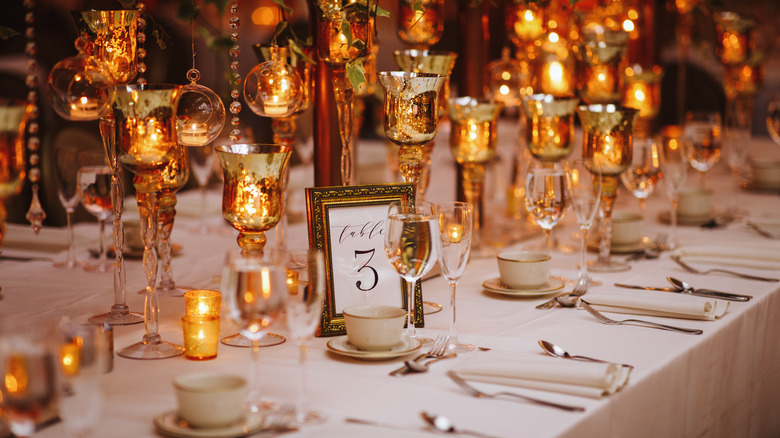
{"type": "Point", "coordinates": [723, 383]}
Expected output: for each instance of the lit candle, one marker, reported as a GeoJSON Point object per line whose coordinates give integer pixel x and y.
{"type": "Point", "coordinates": [734, 46]}
{"type": "Point", "coordinates": [601, 83]}
{"type": "Point", "coordinates": [292, 281]}
{"type": "Point", "coordinates": [84, 108]}
{"type": "Point", "coordinates": [201, 336]}
{"type": "Point", "coordinates": [203, 302]}
{"type": "Point", "coordinates": [528, 25]}
{"type": "Point", "coordinates": [454, 233]}
{"type": "Point", "coordinates": [70, 358]}
{"type": "Point", "coordinates": [275, 106]}
{"type": "Point", "coordinates": [554, 79]}
{"type": "Point", "coordinates": [637, 95]}
{"type": "Point", "coordinates": [193, 134]}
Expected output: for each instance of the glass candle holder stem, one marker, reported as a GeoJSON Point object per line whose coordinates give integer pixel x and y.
{"type": "Point", "coordinates": [345, 103]}
{"type": "Point", "coordinates": [609, 186]}
{"type": "Point", "coordinates": [473, 183]}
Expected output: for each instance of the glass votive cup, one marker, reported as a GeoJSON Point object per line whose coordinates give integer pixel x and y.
{"type": "Point", "coordinates": [203, 302]}
{"type": "Point", "coordinates": [201, 336]}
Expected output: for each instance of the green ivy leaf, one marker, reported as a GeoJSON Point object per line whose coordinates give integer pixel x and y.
{"type": "Point", "coordinates": [7, 32]}
{"type": "Point", "coordinates": [298, 50]}
{"type": "Point", "coordinates": [283, 6]}
{"type": "Point", "coordinates": [418, 7]}
{"type": "Point", "coordinates": [380, 12]}
{"type": "Point", "coordinates": [356, 73]}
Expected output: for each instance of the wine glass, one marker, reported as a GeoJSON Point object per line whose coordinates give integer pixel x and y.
{"type": "Point", "coordinates": [773, 118]}
{"type": "Point", "coordinates": [585, 190]}
{"type": "Point", "coordinates": [673, 170]}
{"type": "Point", "coordinates": [27, 390]}
{"type": "Point", "coordinates": [304, 308]}
{"type": "Point", "coordinates": [454, 246]}
{"type": "Point", "coordinates": [546, 198]}
{"type": "Point", "coordinates": [66, 158]}
{"type": "Point", "coordinates": [411, 232]}
{"type": "Point", "coordinates": [640, 179]}
{"type": "Point", "coordinates": [94, 192]}
{"type": "Point", "coordinates": [255, 287]}
{"type": "Point", "coordinates": [81, 363]}
{"type": "Point", "coordinates": [702, 140]}
{"type": "Point", "coordinates": [202, 160]}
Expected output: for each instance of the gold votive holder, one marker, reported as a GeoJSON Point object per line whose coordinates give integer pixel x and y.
{"type": "Point", "coordinates": [201, 336]}
{"type": "Point", "coordinates": [203, 302]}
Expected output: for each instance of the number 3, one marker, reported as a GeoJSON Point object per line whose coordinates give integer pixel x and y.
{"type": "Point", "coordinates": [359, 283]}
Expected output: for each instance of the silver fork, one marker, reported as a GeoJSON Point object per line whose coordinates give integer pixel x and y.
{"type": "Point", "coordinates": [479, 394]}
{"type": "Point", "coordinates": [654, 251]}
{"type": "Point", "coordinates": [640, 322]}
{"type": "Point", "coordinates": [579, 289]}
{"type": "Point", "coordinates": [437, 350]}
{"type": "Point", "coordinates": [693, 270]}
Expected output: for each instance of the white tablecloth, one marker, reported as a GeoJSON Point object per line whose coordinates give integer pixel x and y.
{"type": "Point", "coordinates": [724, 383]}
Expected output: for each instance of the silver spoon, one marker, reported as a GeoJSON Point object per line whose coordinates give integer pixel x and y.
{"type": "Point", "coordinates": [556, 351]}
{"type": "Point", "coordinates": [443, 424]}
{"type": "Point", "coordinates": [418, 367]}
{"type": "Point", "coordinates": [687, 288]}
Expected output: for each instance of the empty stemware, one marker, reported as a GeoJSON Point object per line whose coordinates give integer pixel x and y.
{"type": "Point", "coordinates": [702, 140]}
{"type": "Point", "coordinates": [673, 169]}
{"type": "Point", "coordinates": [546, 198]}
{"type": "Point", "coordinates": [454, 245]}
{"type": "Point", "coordinates": [645, 171]}
{"type": "Point", "coordinates": [585, 190]}
{"type": "Point", "coordinates": [94, 192]}
{"type": "Point", "coordinates": [66, 158]}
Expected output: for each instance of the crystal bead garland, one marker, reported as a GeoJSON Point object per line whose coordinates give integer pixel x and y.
{"type": "Point", "coordinates": [35, 215]}
{"type": "Point", "coordinates": [235, 93]}
{"type": "Point", "coordinates": [140, 52]}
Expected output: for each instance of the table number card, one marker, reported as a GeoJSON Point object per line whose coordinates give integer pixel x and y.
{"type": "Point", "coordinates": [347, 224]}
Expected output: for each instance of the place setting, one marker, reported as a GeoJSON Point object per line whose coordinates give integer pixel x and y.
{"type": "Point", "coordinates": [523, 274]}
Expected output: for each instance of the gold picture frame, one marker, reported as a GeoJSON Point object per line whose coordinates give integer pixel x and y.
{"type": "Point", "coordinates": [346, 224]}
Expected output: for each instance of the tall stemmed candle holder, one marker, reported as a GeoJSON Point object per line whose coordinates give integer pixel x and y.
{"type": "Point", "coordinates": [336, 49]}
{"type": "Point", "coordinates": [603, 59]}
{"type": "Point", "coordinates": [436, 62]}
{"type": "Point", "coordinates": [146, 143]}
{"type": "Point", "coordinates": [473, 142]}
{"type": "Point", "coordinates": [642, 90]}
{"type": "Point", "coordinates": [13, 125]}
{"type": "Point", "coordinates": [549, 134]}
{"type": "Point", "coordinates": [111, 40]}
{"type": "Point", "coordinates": [253, 203]}
{"type": "Point", "coordinates": [411, 116]}
{"type": "Point", "coordinates": [607, 142]}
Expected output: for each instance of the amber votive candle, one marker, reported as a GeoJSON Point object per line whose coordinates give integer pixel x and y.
{"type": "Point", "coordinates": [201, 336]}
{"type": "Point", "coordinates": [203, 302]}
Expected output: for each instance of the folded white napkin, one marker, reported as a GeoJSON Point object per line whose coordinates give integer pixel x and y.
{"type": "Point", "coordinates": [741, 256]}
{"type": "Point", "coordinates": [22, 237]}
{"type": "Point", "coordinates": [586, 379]}
{"type": "Point", "coordinates": [670, 305]}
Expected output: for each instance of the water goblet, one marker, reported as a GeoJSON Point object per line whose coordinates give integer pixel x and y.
{"type": "Point", "coordinates": [608, 141]}
{"type": "Point", "coordinates": [304, 308]}
{"type": "Point", "coordinates": [702, 141]}
{"type": "Point", "coordinates": [645, 171]}
{"type": "Point", "coordinates": [27, 391]}
{"type": "Point", "coordinates": [411, 232]}
{"type": "Point", "coordinates": [202, 160]}
{"type": "Point", "coordinates": [674, 167]}
{"type": "Point", "coordinates": [585, 190]}
{"type": "Point", "coordinates": [94, 192]}
{"type": "Point", "coordinates": [454, 245]}
{"type": "Point", "coordinates": [546, 198]}
{"type": "Point", "coordinates": [255, 288]}
{"type": "Point", "coordinates": [66, 158]}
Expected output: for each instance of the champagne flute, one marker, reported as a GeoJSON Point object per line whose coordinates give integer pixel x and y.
{"type": "Point", "coordinates": [94, 190]}
{"type": "Point", "coordinates": [546, 198]}
{"type": "Point", "coordinates": [202, 161]}
{"type": "Point", "coordinates": [585, 189]}
{"type": "Point", "coordinates": [673, 170]}
{"type": "Point", "coordinates": [80, 364]}
{"type": "Point", "coordinates": [454, 246]}
{"type": "Point", "coordinates": [645, 171]}
{"type": "Point", "coordinates": [304, 308]}
{"type": "Point", "coordinates": [66, 158]}
{"type": "Point", "coordinates": [702, 132]}
{"type": "Point", "coordinates": [27, 390]}
{"type": "Point", "coordinates": [255, 287]}
{"type": "Point", "coordinates": [411, 233]}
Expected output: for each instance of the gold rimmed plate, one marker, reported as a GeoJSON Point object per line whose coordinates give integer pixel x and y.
{"type": "Point", "coordinates": [643, 243]}
{"type": "Point", "coordinates": [343, 347]}
{"type": "Point", "coordinates": [687, 221]}
{"type": "Point", "coordinates": [551, 285]}
{"type": "Point", "coordinates": [169, 423]}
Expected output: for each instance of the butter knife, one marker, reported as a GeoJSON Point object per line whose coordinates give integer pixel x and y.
{"type": "Point", "coordinates": [698, 292]}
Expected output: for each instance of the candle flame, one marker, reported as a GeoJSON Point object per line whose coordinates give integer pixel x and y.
{"type": "Point", "coordinates": [556, 72]}
{"type": "Point", "coordinates": [528, 15]}
{"type": "Point", "coordinates": [265, 277]}
{"type": "Point", "coordinates": [639, 95]}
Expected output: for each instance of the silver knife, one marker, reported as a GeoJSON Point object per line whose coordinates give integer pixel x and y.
{"type": "Point", "coordinates": [699, 292]}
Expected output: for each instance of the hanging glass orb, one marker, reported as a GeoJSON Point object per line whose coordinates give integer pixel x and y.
{"type": "Point", "coordinates": [273, 88]}
{"type": "Point", "coordinates": [78, 86]}
{"type": "Point", "coordinates": [200, 115]}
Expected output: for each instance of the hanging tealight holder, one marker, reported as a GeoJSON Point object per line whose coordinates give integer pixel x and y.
{"type": "Point", "coordinates": [78, 86]}
{"type": "Point", "coordinates": [273, 88]}
{"type": "Point", "coordinates": [200, 115]}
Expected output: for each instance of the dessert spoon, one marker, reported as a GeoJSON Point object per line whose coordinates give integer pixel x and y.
{"type": "Point", "coordinates": [443, 424]}
{"type": "Point", "coordinates": [556, 351]}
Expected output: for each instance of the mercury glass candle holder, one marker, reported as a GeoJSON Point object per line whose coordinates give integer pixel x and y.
{"type": "Point", "coordinates": [411, 116]}
{"type": "Point", "coordinates": [602, 58]}
{"type": "Point", "coordinates": [146, 142]}
{"type": "Point", "coordinates": [13, 164]}
{"type": "Point", "coordinates": [607, 141]}
{"type": "Point", "coordinates": [549, 132]}
{"type": "Point", "coordinates": [203, 302]}
{"type": "Point", "coordinates": [735, 36]}
{"type": "Point", "coordinates": [420, 23]}
{"type": "Point", "coordinates": [112, 37]}
{"type": "Point", "coordinates": [642, 91]}
{"type": "Point", "coordinates": [525, 24]}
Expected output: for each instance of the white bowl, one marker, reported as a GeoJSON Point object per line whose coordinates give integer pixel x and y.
{"type": "Point", "coordinates": [210, 400]}
{"type": "Point", "coordinates": [374, 327]}
{"type": "Point", "coordinates": [523, 269]}
{"type": "Point", "coordinates": [626, 228]}
{"type": "Point", "coordinates": [695, 202]}
{"type": "Point", "coordinates": [766, 173]}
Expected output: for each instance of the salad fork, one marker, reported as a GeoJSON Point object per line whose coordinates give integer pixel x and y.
{"type": "Point", "coordinates": [438, 349]}
{"type": "Point", "coordinates": [640, 322]}
{"type": "Point", "coordinates": [579, 289]}
{"type": "Point", "coordinates": [693, 270]}
{"type": "Point", "coordinates": [652, 252]}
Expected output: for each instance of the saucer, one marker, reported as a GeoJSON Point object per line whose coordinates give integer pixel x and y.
{"type": "Point", "coordinates": [690, 221]}
{"type": "Point", "coordinates": [342, 347]}
{"type": "Point", "coordinates": [643, 243]}
{"type": "Point", "coordinates": [550, 286]}
{"type": "Point", "coordinates": [170, 424]}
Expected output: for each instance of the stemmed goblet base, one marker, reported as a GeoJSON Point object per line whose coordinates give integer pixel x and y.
{"type": "Point", "coordinates": [239, 340]}
{"type": "Point", "coordinates": [151, 347]}
{"type": "Point", "coordinates": [119, 315]}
